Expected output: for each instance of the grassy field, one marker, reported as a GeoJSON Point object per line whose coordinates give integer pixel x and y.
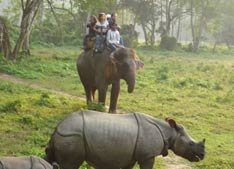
{"type": "Point", "coordinates": [195, 89]}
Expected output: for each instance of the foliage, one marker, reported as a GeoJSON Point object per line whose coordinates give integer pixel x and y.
{"type": "Point", "coordinates": [129, 35]}
{"type": "Point", "coordinates": [168, 43]}
{"type": "Point", "coordinates": [65, 23]}
{"type": "Point", "coordinates": [25, 129]}
{"type": "Point", "coordinates": [96, 107]}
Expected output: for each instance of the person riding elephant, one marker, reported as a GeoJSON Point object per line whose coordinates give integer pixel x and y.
{"type": "Point", "coordinates": [99, 70]}
{"type": "Point", "coordinates": [113, 37]}
{"type": "Point", "coordinates": [91, 33]}
{"type": "Point", "coordinates": [101, 28]}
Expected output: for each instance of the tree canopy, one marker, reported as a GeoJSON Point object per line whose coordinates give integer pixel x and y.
{"type": "Point", "coordinates": [63, 22]}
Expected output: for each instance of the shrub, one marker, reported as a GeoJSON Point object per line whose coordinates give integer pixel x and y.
{"type": "Point", "coordinates": [44, 100]}
{"type": "Point", "coordinates": [129, 35]}
{"type": "Point", "coordinates": [96, 107]}
{"type": "Point", "coordinates": [11, 107]}
{"type": "Point", "coordinates": [162, 74]}
{"type": "Point", "coordinates": [168, 43]}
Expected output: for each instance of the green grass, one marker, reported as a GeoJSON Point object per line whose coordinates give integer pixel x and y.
{"type": "Point", "coordinates": [195, 89]}
{"type": "Point", "coordinates": [28, 117]}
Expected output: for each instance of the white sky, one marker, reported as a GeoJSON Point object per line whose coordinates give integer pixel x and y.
{"type": "Point", "coordinates": [3, 5]}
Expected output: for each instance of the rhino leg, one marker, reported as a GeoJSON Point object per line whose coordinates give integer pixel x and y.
{"type": "Point", "coordinates": [1, 165]}
{"type": "Point", "coordinates": [129, 167]}
{"type": "Point", "coordinates": [147, 164]}
{"type": "Point", "coordinates": [69, 151]}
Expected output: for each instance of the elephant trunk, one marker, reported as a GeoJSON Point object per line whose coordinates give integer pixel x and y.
{"type": "Point", "coordinates": [131, 84]}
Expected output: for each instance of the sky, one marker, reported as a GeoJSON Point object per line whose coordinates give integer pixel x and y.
{"type": "Point", "coordinates": [3, 5]}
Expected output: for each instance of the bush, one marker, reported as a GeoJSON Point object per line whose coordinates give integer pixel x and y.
{"type": "Point", "coordinates": [44, 100]}
{"type": "Point", "coordinates": [188, 48]}
{"type": "Point", "coordinates": [11, 107]}
{"type": "Point", "coordinates": [169, 43]}
{"type": "Point", "coordinates": [129, 35]}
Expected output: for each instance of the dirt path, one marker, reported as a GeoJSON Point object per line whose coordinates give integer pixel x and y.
{"type": "Point", "coordinates": [171, 162]}
{"type": "Point", "coordinates": [34, 85]}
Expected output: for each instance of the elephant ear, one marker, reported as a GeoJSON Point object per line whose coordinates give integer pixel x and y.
{"type": "Point", "coordinates": [139, 63]}
{"type": "Point", "coordinates": [120, 54]}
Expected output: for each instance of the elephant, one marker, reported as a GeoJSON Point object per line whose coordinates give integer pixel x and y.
{"type": "Point", "coordinates": [31, 162]}
{"type": "Point", "coordinates": [98, 70]}
{"type": "Point", "coordinates": [118, 141]}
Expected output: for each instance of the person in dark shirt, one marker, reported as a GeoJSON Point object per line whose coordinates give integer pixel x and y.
{"type": "Point", "coordinates": [91, 31]}
{"type": "Point", "coordinates": [112, 19]}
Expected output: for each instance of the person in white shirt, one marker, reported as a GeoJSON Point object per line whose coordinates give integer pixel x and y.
{"type": "Point", "coordinates": [113, 37]}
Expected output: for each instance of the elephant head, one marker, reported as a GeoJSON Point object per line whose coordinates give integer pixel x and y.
{"type": "Point", "coordinates": [127, 62]}
{"type": "Point", "coordinates": [184, 146]}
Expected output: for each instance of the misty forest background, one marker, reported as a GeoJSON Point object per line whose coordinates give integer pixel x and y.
{"type": "Point", "coordinates": [187, 49]}
{"type": "Point", "coordinates": [170, 23]}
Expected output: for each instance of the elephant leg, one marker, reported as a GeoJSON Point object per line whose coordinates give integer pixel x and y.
{"type": "Point", "coordinates": [93, 92]}
{"type": "Point", "coordinates": [88, 92]}
{"type": "Point", "coordinates": [102, 94]}
{"type": "Point", "coordinates": [114, 96]}
{"type": "Point", "coordinates": [147, 164]}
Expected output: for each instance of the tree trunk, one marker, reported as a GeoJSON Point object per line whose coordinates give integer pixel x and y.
{"type": "Point", "coordinates": [152, 34]}
{"type": "Point", "coordinates": [168, 16]}
{"type": "Point", "coordinates": [145, 33]}
{"type": "Point", "coordinates": [178, 28]}
{"type": "Point", "coordinates": [58, 22]}
{"type": "Point", "coordinates": [30, 9]}
{"type": "Point", "coordinates": [26, 46]}
{"type": "Point", "coordinates": [5, 40]}
{"type": "Point", "coordinates": [192, 24]}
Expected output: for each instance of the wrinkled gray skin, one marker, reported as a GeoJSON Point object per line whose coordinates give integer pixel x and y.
{"type": "Point", "coordinates": [118, 141]}
{"type": "Point", "coordinates": [24, 163]}
{"type": "Point", "coordinates": [98, 70]}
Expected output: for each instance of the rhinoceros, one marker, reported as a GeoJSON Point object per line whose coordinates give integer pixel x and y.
{"type": "Point", "coordinates": [31, 162]}
{"type": "Point", "coordinates": [118, 141]}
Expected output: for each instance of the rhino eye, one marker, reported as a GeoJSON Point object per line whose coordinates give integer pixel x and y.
{"type": "Point", "coordinates": [191, 143]}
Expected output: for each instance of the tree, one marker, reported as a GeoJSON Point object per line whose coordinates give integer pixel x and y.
{"type": "Point", "coordinates": [155, 16]}
{"type": "Point", "coordinates": [29, 11]}
{"type": "Point", "coordinates": [222, 27]}
{"type": "Point", "coordinates": [147, 15]}
{"type": "Point", "coordinates": [201, 13]}
{"type": "Point", "coordinates": [5, 44]}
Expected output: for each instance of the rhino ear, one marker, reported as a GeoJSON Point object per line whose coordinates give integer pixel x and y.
{"type": "Point", "coordinates": [55, 165]}
{"type": "Point", "coordinates": [172, 123]}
